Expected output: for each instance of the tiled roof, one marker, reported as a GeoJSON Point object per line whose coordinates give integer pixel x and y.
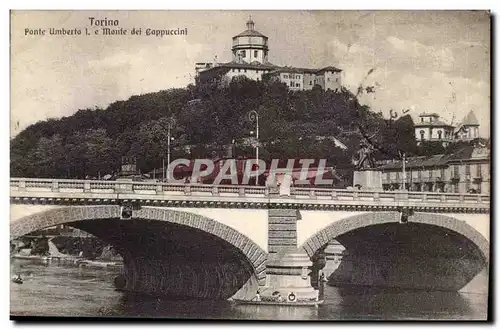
{"type": "Point", "coordinates": [465, 153]}
{"type": "Point", "coordinates": [287, 70]}
{"type": "Point", "coordinates": [425, 114]}
{"type": "Point", "coordinates": [250, 33]}
{"type": "Point", "coordinates": [417, 162]}
{"type": "Point", "coordinates": [435, 123]}
{"type": "Point", "coordinates": [329, 68]}
{"type": "Point", "coordinates": [291, 69]}
{"type": "Point", "coordinates": [231, 65]}
{"type": "Point", "coordinates": [248, 65]}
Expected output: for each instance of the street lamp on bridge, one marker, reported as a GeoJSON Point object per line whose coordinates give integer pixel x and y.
{"type": "Point", "coordinates": [170, 124]}
{"type": "Point", "coordinates": [254, 116]}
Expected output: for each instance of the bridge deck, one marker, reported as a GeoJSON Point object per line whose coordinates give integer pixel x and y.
{"type": "Point", "coordinates": [28, 190]}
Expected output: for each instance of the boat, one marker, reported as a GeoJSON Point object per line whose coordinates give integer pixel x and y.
{"type": "Point", "coordinates": [17, 280]}
{"type": "Point", "coordinates": [297, 303]}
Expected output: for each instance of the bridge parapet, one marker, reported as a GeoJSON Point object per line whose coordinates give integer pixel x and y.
{"type": "Point", "coordinates": [96, 191]}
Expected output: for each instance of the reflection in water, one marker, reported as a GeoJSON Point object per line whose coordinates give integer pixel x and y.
{"type": "Point", "coordinates": [65, 290]}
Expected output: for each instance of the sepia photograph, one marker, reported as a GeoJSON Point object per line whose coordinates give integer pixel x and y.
{"type": "Point", "coordinates": [305, 165]}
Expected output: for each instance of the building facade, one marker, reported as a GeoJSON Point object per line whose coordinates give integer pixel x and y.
{"type": "Point", "coordinates": [430, 128]}
{"type": "Point", "coordinates": [467, 170]}
{"type": "Point", "coordinates": [468, 128]}
{"type": "Point", "coordinates": [250, 58]}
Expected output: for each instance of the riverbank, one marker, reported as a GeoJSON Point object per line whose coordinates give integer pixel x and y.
{"type": "Point", "coordinates": [71, 260]}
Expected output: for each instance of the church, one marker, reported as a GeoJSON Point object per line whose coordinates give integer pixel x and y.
{"type": "Point", "coordinates": [250, 58]}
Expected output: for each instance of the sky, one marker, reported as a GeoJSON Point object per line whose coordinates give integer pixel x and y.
{"type": "Point", "coordinates": [424, 61]}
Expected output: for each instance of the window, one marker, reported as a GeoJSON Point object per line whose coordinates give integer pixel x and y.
{"type": "Point", "coordinates": [478, 170]}
{"type": "Point", "coordinates": [421, 119]}
{"type": "Point", "coordinates": [455, 171]}
{"type": "Point", "coordinates": [239, 70]}
{"type": "Point", "coordinates": [388, 176]}
{"type": "Point", "coordinates": [285, 76]}
{"type": "Point", "coordinates": [255, 53]}
{"type": "Point", "coordinates": [336, 79]}
{"type": "Point", "coordinates": [467, 171]}
{"type": "Point", "coordinates": [327, 79]}
{"type": "Point", "coordinates": [430, 174]}
{"type": "Point", "coordinates": [245, 70]}
{"type": "Point", "coordinates": [442, 174]}
{"type": "Point", "coordinates": [243, 53]}
{"type": "Point", "coordinates": [310, 82]}
{"type": "Point", "coordinates": [422, 133]}
{"type": "Point", "coordinates": [439, 135]}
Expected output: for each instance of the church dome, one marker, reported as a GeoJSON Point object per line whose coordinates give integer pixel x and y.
{"type": "Point", "coordinates": [250, 31]}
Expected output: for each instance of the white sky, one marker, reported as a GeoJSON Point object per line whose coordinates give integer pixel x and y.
{"type": "Point", "coordinates": [421, 58]}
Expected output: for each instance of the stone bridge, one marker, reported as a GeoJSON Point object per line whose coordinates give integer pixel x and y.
{"type": "Point", "coordinates": [218, 242]}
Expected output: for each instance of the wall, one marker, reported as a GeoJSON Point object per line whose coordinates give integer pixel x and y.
{"type": "Point", "coordinates": [254, 74]}
{"type": "Point", "coordinates": [247, 43]}
{"type": "Point", "coordinates": [296, 78]}
{"type": "Point", "coordinates": [332, 80]}
{"type": "Point", "coordinates": [309, 81]}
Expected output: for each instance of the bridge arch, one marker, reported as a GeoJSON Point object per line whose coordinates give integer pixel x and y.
{"type": "Point", "coordinates": [323, 236]}
{"type": "Point", "coordinates": [254, 254]}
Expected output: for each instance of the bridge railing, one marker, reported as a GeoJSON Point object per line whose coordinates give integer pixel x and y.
{"type": "Point", "coordinates": [69, 186]}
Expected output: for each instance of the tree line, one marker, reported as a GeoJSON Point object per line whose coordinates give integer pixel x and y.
{"type": "Point", "coordinates": [205, 120]}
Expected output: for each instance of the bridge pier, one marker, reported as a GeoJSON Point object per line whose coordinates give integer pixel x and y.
{"type": "Point", "coordinates": [287, 268]}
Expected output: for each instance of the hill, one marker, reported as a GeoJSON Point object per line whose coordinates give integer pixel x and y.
{"type": "Point", "coordinates": [298, 124]}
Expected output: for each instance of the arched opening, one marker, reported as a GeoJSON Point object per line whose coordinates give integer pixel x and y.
{"type": "Point", "coordinates": [430, 252]}
{"type": "Point", "coordinates": [167, 252]}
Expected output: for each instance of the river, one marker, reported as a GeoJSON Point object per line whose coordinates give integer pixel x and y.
{"type": "Point", "coordinates": [57, 290]}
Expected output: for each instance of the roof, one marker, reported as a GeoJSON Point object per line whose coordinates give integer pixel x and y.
{"type": "Point", "coordinates": [469, 153]}
{"type": "Point", "coordinates": [425, 114]}
{"type": "Point", "coordinates": [234, 65]}
{"type": "Point", "coordinates": [253, 65]}
{"type": "Point", "coordinates": [250, 33]}
{"type": "Point", "coordinates": [287, 70]}
{"type": "Point", "coordinates": [466, 153]}
{"type": "Point", "coordinates": [417, 162]}
{"type": "Point", "coordinates": [436, 123]}
{"type": "Point", "coordinates": [329, 68]}
{"type": "Point", "coordinates": [291, 69]}
{"type": "Point", "coordinates": [470, 120]}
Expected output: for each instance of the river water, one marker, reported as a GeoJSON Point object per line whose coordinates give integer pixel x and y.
{"type": "Point", "coordinates": [57, 290]}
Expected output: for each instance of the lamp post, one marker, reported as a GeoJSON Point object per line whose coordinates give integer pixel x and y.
{"type": "Point", "coordinates": [170, 124]}
{"type": "Point", "coordinates": [254, 116]}
{"type": "Point", "coordinates": [404, 171]}
{"type": "Point", "coordinates": [169, 137]}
